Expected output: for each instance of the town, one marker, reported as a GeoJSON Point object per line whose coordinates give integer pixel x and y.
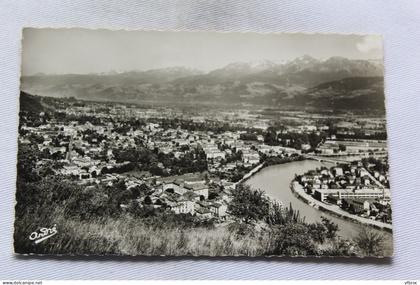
{"type": "Point", "coordinates": [360, 188]}
{"type": "Point", "coordinates": [188, 162]}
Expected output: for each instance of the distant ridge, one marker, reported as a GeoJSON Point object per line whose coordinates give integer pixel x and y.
{"type": "Point", "coordinates": [349, 93]}
{"type": "Point", "coordinates": [298, 82]}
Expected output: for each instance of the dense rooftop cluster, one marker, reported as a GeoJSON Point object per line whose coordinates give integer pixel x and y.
{"type": "Point", "coordinates": [361, 188]}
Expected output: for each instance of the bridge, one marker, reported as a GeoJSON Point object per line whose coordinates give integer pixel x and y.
{"type": "Point", "coordinates": [337, 160]}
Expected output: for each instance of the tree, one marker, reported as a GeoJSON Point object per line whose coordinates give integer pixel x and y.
{"type": "Point", "coordinates": [342, 147]}
{"type": "Point", "coordinates": [370, 242]}
{"type": "Point", "coordinates": [270, 137]}
{"type": "Point", "coordinates": [345, 204]}
{"type": "Point", "coordinates": [26, 163]}
{"type": "Point", "coordinates": [139, 190]}
{"type": "Point", "coordinates": [279, 215]}
{"type": "Point", "coordinates": [332, 128]}
{"type": "Point", "coordinates": [331, 227]}
{"type": "Point", "coordinates": [318, 232]}
{"type": "Point", "coordinates": [248, 137]}
{"type": "Point", "coordinates": [315, 139]}
{"type": "Point", "coordinates": [292, 239]}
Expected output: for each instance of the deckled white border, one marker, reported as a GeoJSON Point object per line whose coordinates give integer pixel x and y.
{"type": "Point", "coordinates": [399, 24]}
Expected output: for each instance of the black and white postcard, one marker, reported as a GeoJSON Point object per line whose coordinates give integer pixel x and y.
{"type": "Point", "coordinates": [161, 143]}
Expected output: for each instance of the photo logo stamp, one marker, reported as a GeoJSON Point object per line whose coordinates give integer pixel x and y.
{"type": "Point", "coordinates": [43, 234]}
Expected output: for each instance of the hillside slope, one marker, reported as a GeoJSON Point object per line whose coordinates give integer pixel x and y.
{"type": "Point", "coordinates": [30, 103]}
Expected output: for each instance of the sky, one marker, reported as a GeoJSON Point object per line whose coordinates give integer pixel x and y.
{"type": "Point", "coordinates": [81, 51]}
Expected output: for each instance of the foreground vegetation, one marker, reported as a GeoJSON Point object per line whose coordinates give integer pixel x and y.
{"type": "Point", "coordinates": [89, 222]}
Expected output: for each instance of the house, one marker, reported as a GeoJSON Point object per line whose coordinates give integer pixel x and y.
{"type": "Point", "coordinates": [334, 200]}
{"type": "Point", "coordinates": [199, 189]}
{"type": "Point", "coordinates": [203, 212]}
{"type": "Point", "coordinates": [224, 195]}
{"type": "Point", "coordinates": [227, 185]}
{"type": "Point", "coordinates": [190, 184]}
{"type": "Point", "coordinates": [305, 146]}
{"type": "Point", "coordinates": [175, 186]}
{"type": "Point", "coordinates": [218, 209]}
{"type": "Point", "coordinates": [366, 180]}
{"type": "Point", "coordinates": [250, 157]}
{"type": "Point", "coordinates": [382, 178]}
{"type": "Point", "coordinates": [215, 154]}
{"type": "Point", "coordinates": [171, 199]}
{"type": "Point", "coordinates": [364, 193]}
{"type": "Point", "coordinates": [338, 171]}
{"type": "Point", "coordinates": [190, 195]}
{"type": "Point", "coordinates": [184, 206]}
{"type": "Point", "coordinates": [71, 170]}
{"type": "Point", "coordinates": [193, 180]}
{"type": "Point", "coordinates": [357, 206]}
{"type": "Point", "coordinates": [363, 172]}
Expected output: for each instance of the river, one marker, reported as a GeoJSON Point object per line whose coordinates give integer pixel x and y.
{"type": "Point", "coordinates": [275, 181]}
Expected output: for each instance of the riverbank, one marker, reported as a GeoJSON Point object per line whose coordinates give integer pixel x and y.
{"type": "Point", "coordinates": [250, 173]}
{"type": "Point", "coordinates": [298, 190]}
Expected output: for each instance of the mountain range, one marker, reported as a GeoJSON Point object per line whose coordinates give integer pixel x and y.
{"type": "Point", "coordinates": [307, 82]}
